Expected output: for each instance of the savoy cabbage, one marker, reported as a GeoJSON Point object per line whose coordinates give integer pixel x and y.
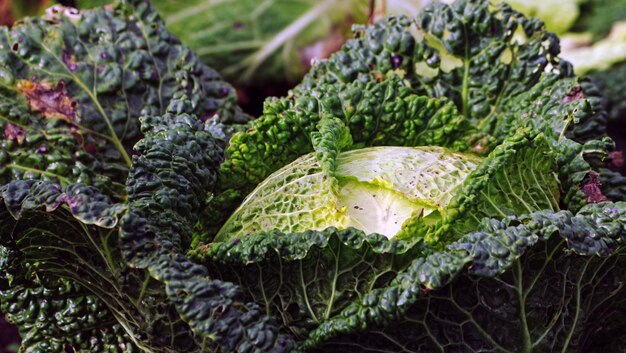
{"type": "Point", "coordinates": [478, 79]}
{"type": "Point", "coordinates": [144, 211]}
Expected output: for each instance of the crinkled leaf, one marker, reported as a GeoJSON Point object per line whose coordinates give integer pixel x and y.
{"type": "Point", "coordinates": [331, 138]}
{"type": "Point", "coordinates": [86, 321]}
{"type": "Point", "coordinates": [303, 279]}
{"type": "Point", "coordinates": [65, 283]}
{"type": "Point", "coordinates": [175, 165]}
{"type": "Point", "coordinates": [517, 178]}
{"type": "Point", "coordinates": [545, 282]}
{"type": "Point", "coordinates": [74, 83]}
{"type": "Point", "coordinates": [374, 189]}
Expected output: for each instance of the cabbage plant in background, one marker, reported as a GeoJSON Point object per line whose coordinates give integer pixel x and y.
{"type": "Point", "coordinates": [434, 185]}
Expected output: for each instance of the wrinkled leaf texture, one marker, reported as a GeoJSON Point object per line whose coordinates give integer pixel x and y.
{"type": "Point", "coordinates": [74, 85]}
{"type": "Point", "coordinates": [471, 107]}
{"type": "Point", "coordinates": [565, 294]}
{"type": "Point", "coordinates": [489, 75]}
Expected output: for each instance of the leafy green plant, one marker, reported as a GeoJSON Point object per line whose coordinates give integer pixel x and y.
{"type": "Point", "coordinates": [477, 79]}
{"type": "Point", "coordinates": [74, 86]}
{"type": "Point", "coordinates": [143, 211]}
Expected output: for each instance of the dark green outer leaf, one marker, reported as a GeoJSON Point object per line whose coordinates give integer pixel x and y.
{"type": "Point", "coordinates": [176, 164]}
{"type": "Point", "coordinates": [64, 282]}
{"type": "Point", "coordinates": [478, 314]}
{"type": "Point", "coordinates": [597, 230]}
{"type": "Point", "coordinates": [83, 321]}
{"type": "Point", "coordinates": [306, 278]}
{"type": "Point", "coordinates": [74, 84]}
{"type": "Point", "coordinates": [49, 238]}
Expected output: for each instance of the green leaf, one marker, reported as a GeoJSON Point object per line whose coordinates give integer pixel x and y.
{"type": "Point", "coordinates": [374, 189]}
{"type": "Point", "coordinates": [65, 284]}
{"type": "Point", "coordinates": [74, 83]}
{"type": "Point", "coordinates": [544, 282]}
{"type": "Point", "coordinates": [303, 279]}
{"type": "Point", "coordinates": [517, 178]}
{"type": "Point", "coordinates": [175, 165]}
{"type": "Point", "coordinates": [331, 138]}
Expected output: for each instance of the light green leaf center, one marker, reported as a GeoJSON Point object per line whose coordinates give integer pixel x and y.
{"type": "Point", "coordinates": [379, 189]}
